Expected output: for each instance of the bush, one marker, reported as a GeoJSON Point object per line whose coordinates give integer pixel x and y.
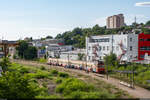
{"type": "Point", "coordinates": [42, 68]}
{"type": "Point", "coordinates": [15, 85]}
{"type": "Point", "coordinates": [61, 74]}
{"type": "Point", "coordinates": [54, 72]}
{"type": "Point", "coordinates": [71, 85]}
{"type": "Point", "coordinates": [58, 81]}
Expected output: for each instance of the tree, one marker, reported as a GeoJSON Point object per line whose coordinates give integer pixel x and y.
{"type": "Point", "coordinates": [49, 37]}
{"type": "Point", "coordinates": [147, 23]}
{"type": "Point", "coordinates": [25, 51]}
{"type": "Point", "coordinates": [5, 63]}
{"type": "Point", "coordinates": [146, 30]}
{"type": "Point", "coordinates": [80, 56]}
{"type": "Point", "coordinates": [30, 53]}
{"type": "Point", "coordinates": [110, 60]}
{"type": "Point", "coordinates": [23, 46]}
{"type": "Point", "coordinates": [15, 85]}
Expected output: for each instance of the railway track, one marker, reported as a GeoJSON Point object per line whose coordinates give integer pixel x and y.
{"type": "Point", "coordinates": [138, 92]}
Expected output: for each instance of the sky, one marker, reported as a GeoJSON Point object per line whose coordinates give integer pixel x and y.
{"type": "Point", "coordinates": [40, 18]}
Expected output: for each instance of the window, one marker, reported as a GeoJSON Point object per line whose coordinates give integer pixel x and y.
{"type": "Point", "coordinates": [104, 48]}
{"type": "Point", "coordinates": [100, 48]}
{"type": "Point", "coordinates": [142, 56]}
{"type": "Point", "coordinates": [130, 39]}
{"type": "Point", "coordinates": [89, 48]}
{"type": "Point", "coordinates": [107, 48]}
{"type": "Point", "coordinates": [100, 40]}
{"type": "Point", "coordinates": [130, 48]}
{"type": "Point", "coordinates": [141, 39]}
{"type": "Point", "coordinates": [147, 39]}
{"type": "Point", "coordinates": [117, 48]}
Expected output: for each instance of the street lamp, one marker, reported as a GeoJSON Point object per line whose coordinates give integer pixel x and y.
{"type": "Point", "coordinates": [106, 68]}
{"type": "Point", "coordinates": [46, 51]}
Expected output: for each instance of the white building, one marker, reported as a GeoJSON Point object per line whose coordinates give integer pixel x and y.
{"type": "Point", "coordinates": [125, 46]}
{"type": "Point", "coordinates": [73, 55]}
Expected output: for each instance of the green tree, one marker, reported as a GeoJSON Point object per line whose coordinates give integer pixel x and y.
{"type": "Point", "coordinates": [23, 46]}
{"type": "Point", "coordinates": [5, 63]}
{"type": "Point", "coordinates": [80, 56]}
{"type": "Point", "coordinates": [146, 30]}
{"type": "Point", "coordinates": [30, 53]}
{"type": "Point", "coordinates": [15, 85]}
{"type": "Point", "coordinates": [49, 37]}
{"type": "Point", "coordinates": [110, 59]}
{"type": "Point", "coordinates": [147, 23]}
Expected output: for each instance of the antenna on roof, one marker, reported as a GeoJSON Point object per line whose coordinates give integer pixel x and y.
{"type": "Point", "coordinates": [135, 22]}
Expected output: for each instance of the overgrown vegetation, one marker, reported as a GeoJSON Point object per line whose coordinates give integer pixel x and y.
{"type": "Point", "coordinates": [25, 51]}
{"type": "Point", "coordinates": [31, 82]}
{"type": "Point", "coordinates": [142, 75]}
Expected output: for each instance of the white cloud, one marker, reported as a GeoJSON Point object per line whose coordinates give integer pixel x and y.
{"type": "Point", "coordinates": [100, 21]}
{"type": "Point", "coordinates": [143, 4]}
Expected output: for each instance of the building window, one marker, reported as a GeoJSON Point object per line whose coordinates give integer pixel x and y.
{"type": "Point", "coordinates": [107, 48]}
{"type": "Point", "coordinates": [130, 39]}
{"type": "Point", "coordinates": [100, 48]}
{"type": "Point", "coordinates": [130, 48]}
{"type": "Point", "coordinates": [145, 48]}
{"type": "Point", "coordinates": [141, 39]}
{"type": "Point", "coordinates": [147, 39]}
{"type": "Point", "coordinates": [117, 48]}
{"type": "Point", "coordinates": [142, 56]}
{"type": "Point", "coordinates": [104, 48]}
{"type": "Point", "coordinates": [89, 48]}
{"type": "Point", "coordinates": [100, 58]}
{"type": "Point", "coordinates": [130, 56]}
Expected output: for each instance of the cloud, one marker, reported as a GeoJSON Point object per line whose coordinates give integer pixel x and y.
{"type": "Point", "coordinates": [100, 21]}
{"type": "Point", "coordinates": [143, 4]}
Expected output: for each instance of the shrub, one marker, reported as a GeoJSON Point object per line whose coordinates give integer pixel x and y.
{"type": "Point", "coordinates": [58, 81]}
{"type": "Point", "coordinates": [61, 74]}
{"type": "Point", "coordinates": [71, 85]}
{"type": "Point", "coordinates": [15, 85]}
{"type": "Point", "coordinates": [42, 68]}
{"type": "Point", "coordinates": [54, 72]}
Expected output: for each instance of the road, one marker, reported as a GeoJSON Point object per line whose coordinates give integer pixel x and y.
{"type": "Point", "coordinates": [138, 92]}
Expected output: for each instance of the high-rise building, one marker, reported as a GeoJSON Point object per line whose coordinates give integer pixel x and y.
{"type": "Point", "coordinates": [115, 21]}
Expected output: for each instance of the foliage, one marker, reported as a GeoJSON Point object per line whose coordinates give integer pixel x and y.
{"type": "Point", "coordinates": [80, 56]}
{"type": "Point", "coordinates": [26, 51]}
{"type": "Point", "coordinates": [58, 80]}
{"type": "Point", "coordinates": [148, 23]}
{"type": "Point", "coordinates": [54, 72]}
{"type": "Point", "coordinates": [14, 85]}
{"type": "Point", "coordinates": [111, 59]}
{"type": "Point", "coordinates": [61, 74]}
{"type": "Point", "coordinates": [49, 37]}
{"type": "Point", "coordinates": [5, 63]}
{"type": "Point", "coordinates": [23, 46]}
{"type": "Point", "coordinates": [146, 30]}
{"type": "Point", "coordinates": [78, 35]}
{"type": "Point", "coordinates": [71, 85]}
{"type": "Point", "coordinates": [42, 68]}
{"type": "Point", "coordinates": [41, 60]}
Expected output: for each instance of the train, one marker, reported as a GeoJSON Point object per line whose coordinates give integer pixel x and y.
{"type": "Point", "coordinates": [96, 66]}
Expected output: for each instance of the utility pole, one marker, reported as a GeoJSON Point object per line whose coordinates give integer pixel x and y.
{"type": "Point", "coordinates": [68, 59]}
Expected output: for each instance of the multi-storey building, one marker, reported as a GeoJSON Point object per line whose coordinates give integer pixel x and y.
{"type": "Point", "coordinates": [125, 46]}
{"type": "Point", "coordinates": [143, 45]}
{"type": "Point", "coordinates": [115, 21]}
